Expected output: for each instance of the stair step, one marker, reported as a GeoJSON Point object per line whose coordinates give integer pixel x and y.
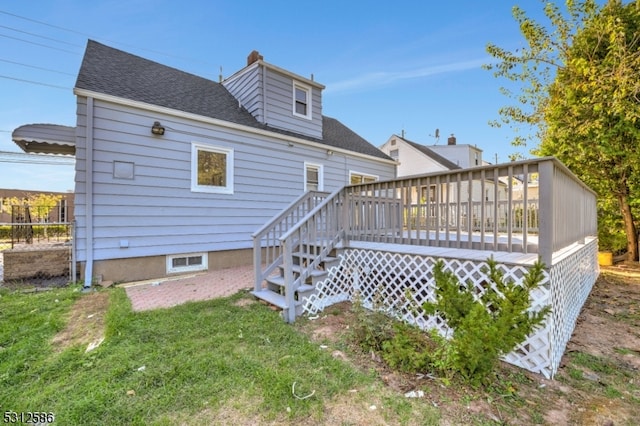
{"type": "Point", "coordinates": [279, 281]}
{"type": "Point", "coordinates": [314, 273]}
{"type": "Point", "coordinates": [305, 287]}
{"type": "Point", "coordinates": [303, 255]}
{"type": "Point", "coordinates": [270, 297]}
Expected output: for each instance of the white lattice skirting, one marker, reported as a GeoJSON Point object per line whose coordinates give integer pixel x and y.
{"type": "Point", "coordinates": [400, 283]}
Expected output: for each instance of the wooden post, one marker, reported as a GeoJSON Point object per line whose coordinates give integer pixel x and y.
{"type": "Point", "coordinates": [546, 212]}
{"type": "Point", "coordinates": [257, 263]}
{"type": "Point", "coordinates": [345, 207]}
{"type": "Point", "coordinates": [290, 314]}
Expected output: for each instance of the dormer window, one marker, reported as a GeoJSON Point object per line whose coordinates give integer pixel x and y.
{"type": "Point", "coordinates": [301, 100]}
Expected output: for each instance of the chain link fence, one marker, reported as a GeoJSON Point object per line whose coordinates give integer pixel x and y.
{"type": "Point", "coordinates": [36, 247]}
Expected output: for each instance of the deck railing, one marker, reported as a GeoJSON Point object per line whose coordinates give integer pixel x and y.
{"type": "Point", "coordinates": [533, 206]}
{"type": "Point", "coordinates": [310, 241]}
{"type": "Point", "coordinates": [267, 251]}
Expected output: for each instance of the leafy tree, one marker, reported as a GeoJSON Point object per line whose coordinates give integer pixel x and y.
{"type": "Point", "coordinates": [582, 97]}
{"type": "Point", "coordinates": [40, 205]}
{"type": "Point", "coordinates": [593, 115]}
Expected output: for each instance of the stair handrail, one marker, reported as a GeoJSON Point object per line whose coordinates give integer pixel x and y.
{"type": "Point", "coordinates": [281, 222]}
{"type": "Point", "coordinates": [330, 234]}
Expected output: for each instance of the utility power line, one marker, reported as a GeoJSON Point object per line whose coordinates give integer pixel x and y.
{"type": "Point", "coordinates": [39, 44]}
{"type": "Point", "coordinates": [41, 36]}
{"type": "Point", "coordinates": [36, 67]}
{"type": "Point", "coordinates": [104, 39]}
{"type": "Point", "coordinates": [35, 82]}
{"type": "Point", "coordinates": [53, 39]}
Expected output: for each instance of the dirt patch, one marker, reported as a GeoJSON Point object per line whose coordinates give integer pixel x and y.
{"type": "Point", "coordinates": [244, 302]}
{"type": "Point", "coordinates": [609, 325]}
{"type": "Point", "coordinates": [85, 322]}
{"type": "Point", "coordinates": [353, 408]}
{"type": "Point", "coordinates": [35, 284]}
{"type": "Point", "coordinates": [598, 382]}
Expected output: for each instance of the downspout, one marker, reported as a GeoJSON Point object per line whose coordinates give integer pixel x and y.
{"type": "Point", "coordinates": [88, 269]}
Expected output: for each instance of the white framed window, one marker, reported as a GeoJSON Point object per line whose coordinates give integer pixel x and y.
{"type": "Point", "coordinates": [187, 262]}
{"type": "Point", "coordinates": [313, 177]}
{"type": "Point", "coordinates": [394, 153]}
{"type": "Point", "coordinates": [211, 169]}
{"type": "Point", "coordinates": [428, 194]}
{"type": "Point", "coordinates": [356, 178]}
{"type": "Point", "coordinates": [301, 100]}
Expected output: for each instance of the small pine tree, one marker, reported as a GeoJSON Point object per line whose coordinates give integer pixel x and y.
{"type": "Point", "coordinates": [490, 324]}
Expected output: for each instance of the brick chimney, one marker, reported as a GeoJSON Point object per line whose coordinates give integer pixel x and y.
{"type": "Point", "coordinates": [253, 57]}
{"type": "Point", "coordinates": [451, 140]}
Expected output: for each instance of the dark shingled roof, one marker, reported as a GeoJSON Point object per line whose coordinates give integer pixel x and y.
{"type": "Point", "coordinates": [114, 72]}
{"type": "Point", "coordinates": [432, 154]}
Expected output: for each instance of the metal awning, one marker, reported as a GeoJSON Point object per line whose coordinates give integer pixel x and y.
{"type": "Point", "coordinates": [46, 139]}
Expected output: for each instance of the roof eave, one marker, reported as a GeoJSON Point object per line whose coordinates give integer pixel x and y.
{"type": "Point", "coordinates": [222, 123]}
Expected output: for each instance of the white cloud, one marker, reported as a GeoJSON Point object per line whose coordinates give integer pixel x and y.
{"type": "Point", "coordinates": [383, 78]}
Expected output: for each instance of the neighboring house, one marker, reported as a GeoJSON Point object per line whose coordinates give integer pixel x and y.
{"type": "Point", "coordinates": [174, 172]}
{"type": "Point", "coordinates": [532, 187]}
{"type": "Point", "coordinates": [416, 159]}
{"type": "Point", "coordinates": [463, 155]}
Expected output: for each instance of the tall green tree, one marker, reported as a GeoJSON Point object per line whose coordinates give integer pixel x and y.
{"type": "Point", "coordinates": [582, 96]}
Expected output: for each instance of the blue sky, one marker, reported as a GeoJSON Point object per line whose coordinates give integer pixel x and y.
{"type": "Point", "coordinates": [387, 66]}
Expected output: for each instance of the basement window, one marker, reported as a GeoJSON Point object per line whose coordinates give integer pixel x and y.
{"type": "Point", "coordinates": [177, 263]}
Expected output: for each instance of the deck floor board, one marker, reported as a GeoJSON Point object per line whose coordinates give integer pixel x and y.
{"type": "Point", "coordinates": [514, 258]}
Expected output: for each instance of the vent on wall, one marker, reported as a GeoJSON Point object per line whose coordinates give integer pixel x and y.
{"type": "Point", "coordinates": [187, 263]}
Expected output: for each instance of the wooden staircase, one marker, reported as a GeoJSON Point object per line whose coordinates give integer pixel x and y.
{"type": "Point", "coordinates": [273, 291]}
{"type": "Point", "coordinates": [294, 251]}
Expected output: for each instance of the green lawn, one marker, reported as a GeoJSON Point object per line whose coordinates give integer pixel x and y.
{"type": "Point", "coordinates": [215, 362]}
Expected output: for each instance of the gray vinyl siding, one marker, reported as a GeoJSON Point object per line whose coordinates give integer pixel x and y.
{"type": "Point", "coordinates": [247, 88]}
{"type": "Point", "coordinates": [156, 211]}
{"type": "Point", "coordinates": [280, 106]}
{"type": "Point", "coordinates": [276, 110]}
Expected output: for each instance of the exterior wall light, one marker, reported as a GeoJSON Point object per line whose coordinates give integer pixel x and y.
{"type": "Point", "coordinates": [157, 129]}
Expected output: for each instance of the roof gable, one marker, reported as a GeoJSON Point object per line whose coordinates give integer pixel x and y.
{"type": "Point", "coordinates": [116, 73]}
{"type": "Point", "coordinates": [121, 74]}
{"type": "Point", "coordinates": [432, 154]}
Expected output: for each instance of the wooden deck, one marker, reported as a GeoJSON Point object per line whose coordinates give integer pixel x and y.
{"type": "Point", "coordinates": [382, 240]}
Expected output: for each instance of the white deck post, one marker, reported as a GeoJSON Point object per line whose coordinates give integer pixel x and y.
{"type": "Point", "coordinates": [257, 264]}
{"type": "Point", "coordinates": [346, 213]}
{"type": "Point", "coordinates": [546, 212]}
{"type": "Point", "coordinates": [290, 315]}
